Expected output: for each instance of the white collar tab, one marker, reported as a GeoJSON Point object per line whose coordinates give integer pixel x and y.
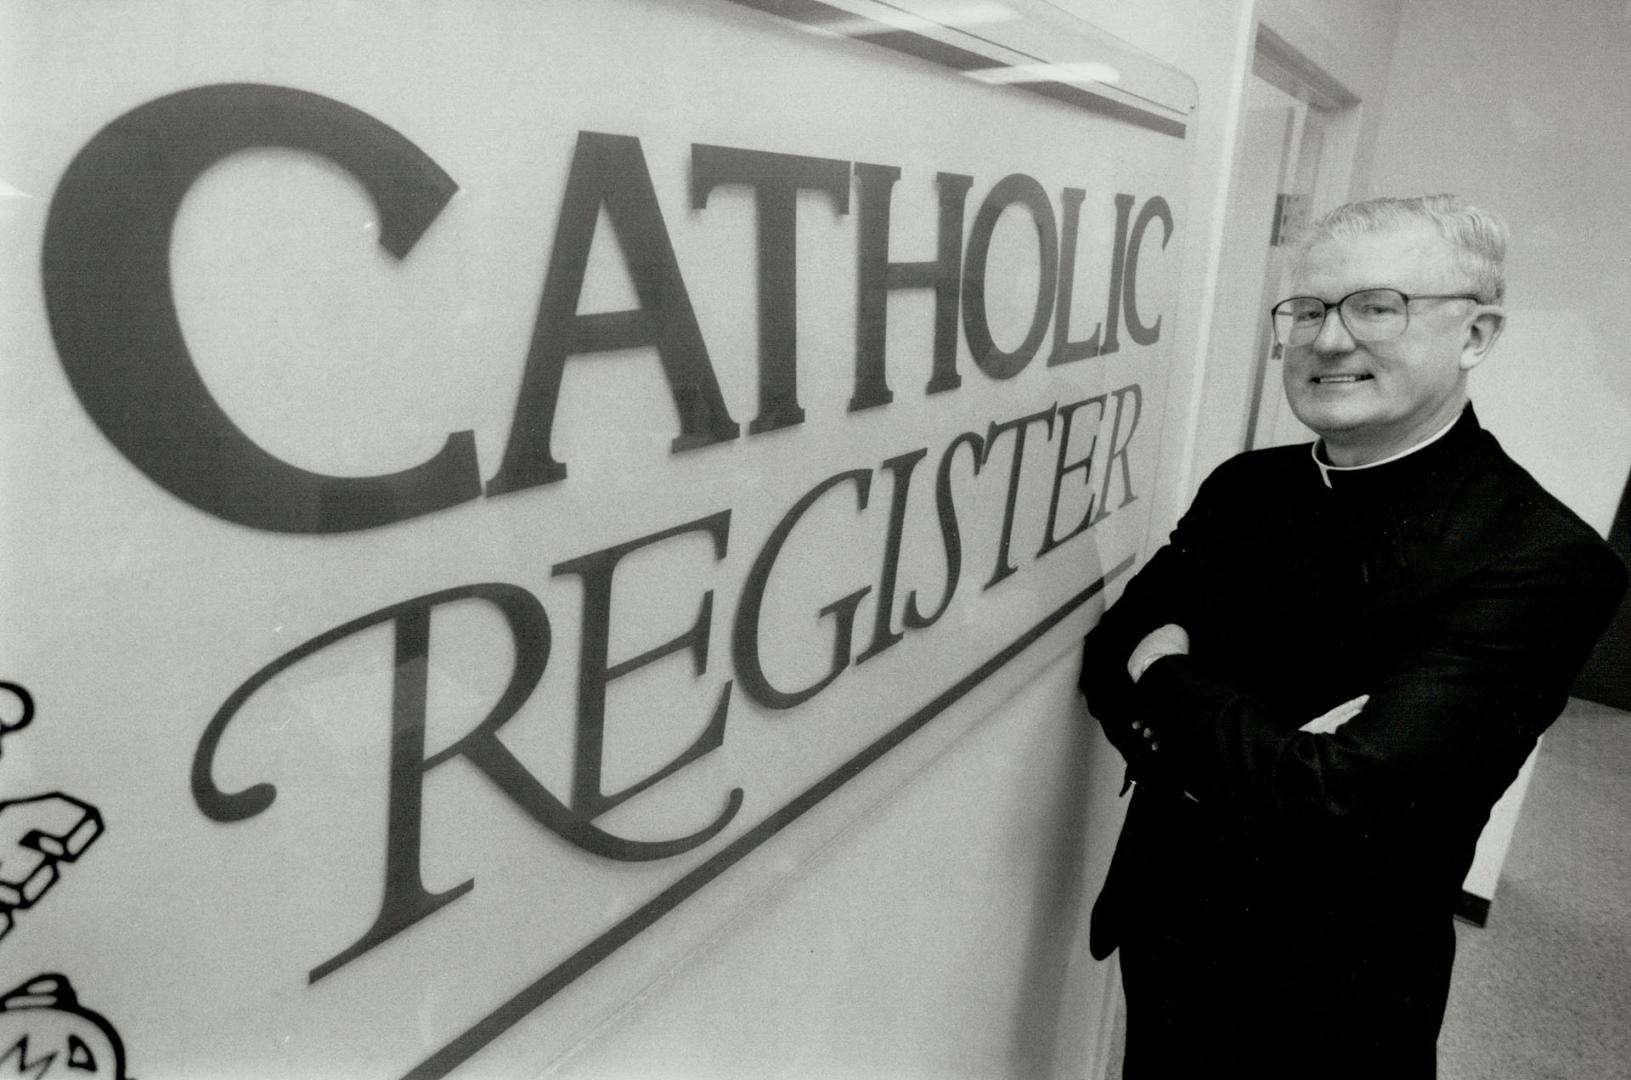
{"type": "Point", "coordinates": [1326, 470]}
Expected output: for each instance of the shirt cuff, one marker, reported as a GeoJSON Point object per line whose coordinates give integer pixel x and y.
{"type": "Point", "coordinates": [1138, 673]}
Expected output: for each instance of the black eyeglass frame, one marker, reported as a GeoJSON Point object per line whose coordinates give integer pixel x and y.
{"type": "Point", "coordinates": [1274, 317]}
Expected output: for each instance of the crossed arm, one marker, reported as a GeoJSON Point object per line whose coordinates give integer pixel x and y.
{"type": "Point", "coordinates": [1448, 719]}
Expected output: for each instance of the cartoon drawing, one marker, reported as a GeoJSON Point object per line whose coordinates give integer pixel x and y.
{"type": "Point", "coordinates": [13, 718]}
{"type": "Point", "coordinates": [35, 834]}
{"type": "Point", "coordinates": [45, 1032]}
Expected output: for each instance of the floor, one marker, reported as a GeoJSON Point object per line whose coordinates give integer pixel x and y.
{"type": "Point", "coordinates": [1543, 992]}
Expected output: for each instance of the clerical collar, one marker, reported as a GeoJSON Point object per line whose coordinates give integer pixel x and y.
{"type": "Point", "coordinates": [1326, 470]}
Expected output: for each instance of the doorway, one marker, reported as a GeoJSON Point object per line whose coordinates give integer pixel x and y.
{"type": "Point", "coordinates": [1293, 161]}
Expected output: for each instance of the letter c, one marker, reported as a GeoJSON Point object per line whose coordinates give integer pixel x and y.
{"type": "Point", "coordinates": [106, 273]}
{"type": "Point", "coordinates": [1154, 210]}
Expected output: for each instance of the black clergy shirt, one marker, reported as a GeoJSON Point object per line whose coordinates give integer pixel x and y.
{"type": "Point", "coordinates": [1449, 587]}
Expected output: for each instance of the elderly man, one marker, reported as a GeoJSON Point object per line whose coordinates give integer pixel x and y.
{"type": "Point", "coordinates": [1331, 672]}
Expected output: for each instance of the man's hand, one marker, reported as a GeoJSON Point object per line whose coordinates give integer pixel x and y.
{"type": "Point", "coordinates": [1168, 640]}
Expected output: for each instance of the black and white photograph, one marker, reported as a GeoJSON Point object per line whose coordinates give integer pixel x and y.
{"type": "Point", "coordinates": [815, 539]}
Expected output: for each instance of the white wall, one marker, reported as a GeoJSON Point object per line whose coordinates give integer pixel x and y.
{"type": "Point", "coordinates": [912, 947]}
{"type": "Point", "coordinates": [1527, 114]}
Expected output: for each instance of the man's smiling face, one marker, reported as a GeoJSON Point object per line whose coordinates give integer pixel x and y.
{"type": "Point", "coordinates": [1370, 400]}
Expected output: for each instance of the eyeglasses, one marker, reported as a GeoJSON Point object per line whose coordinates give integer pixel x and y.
{"type": "Point", "coordinates": [1368, 315]}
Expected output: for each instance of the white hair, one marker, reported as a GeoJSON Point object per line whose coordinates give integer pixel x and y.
{"type": "Point", "coordinates": [1478, 237]}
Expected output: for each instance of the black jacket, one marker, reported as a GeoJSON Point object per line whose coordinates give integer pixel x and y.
{"type": "Point", "coordinates": [1447, 585]}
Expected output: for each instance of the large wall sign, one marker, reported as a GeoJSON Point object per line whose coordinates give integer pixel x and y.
{"type": "Point", "coordinates": [488, 488]}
